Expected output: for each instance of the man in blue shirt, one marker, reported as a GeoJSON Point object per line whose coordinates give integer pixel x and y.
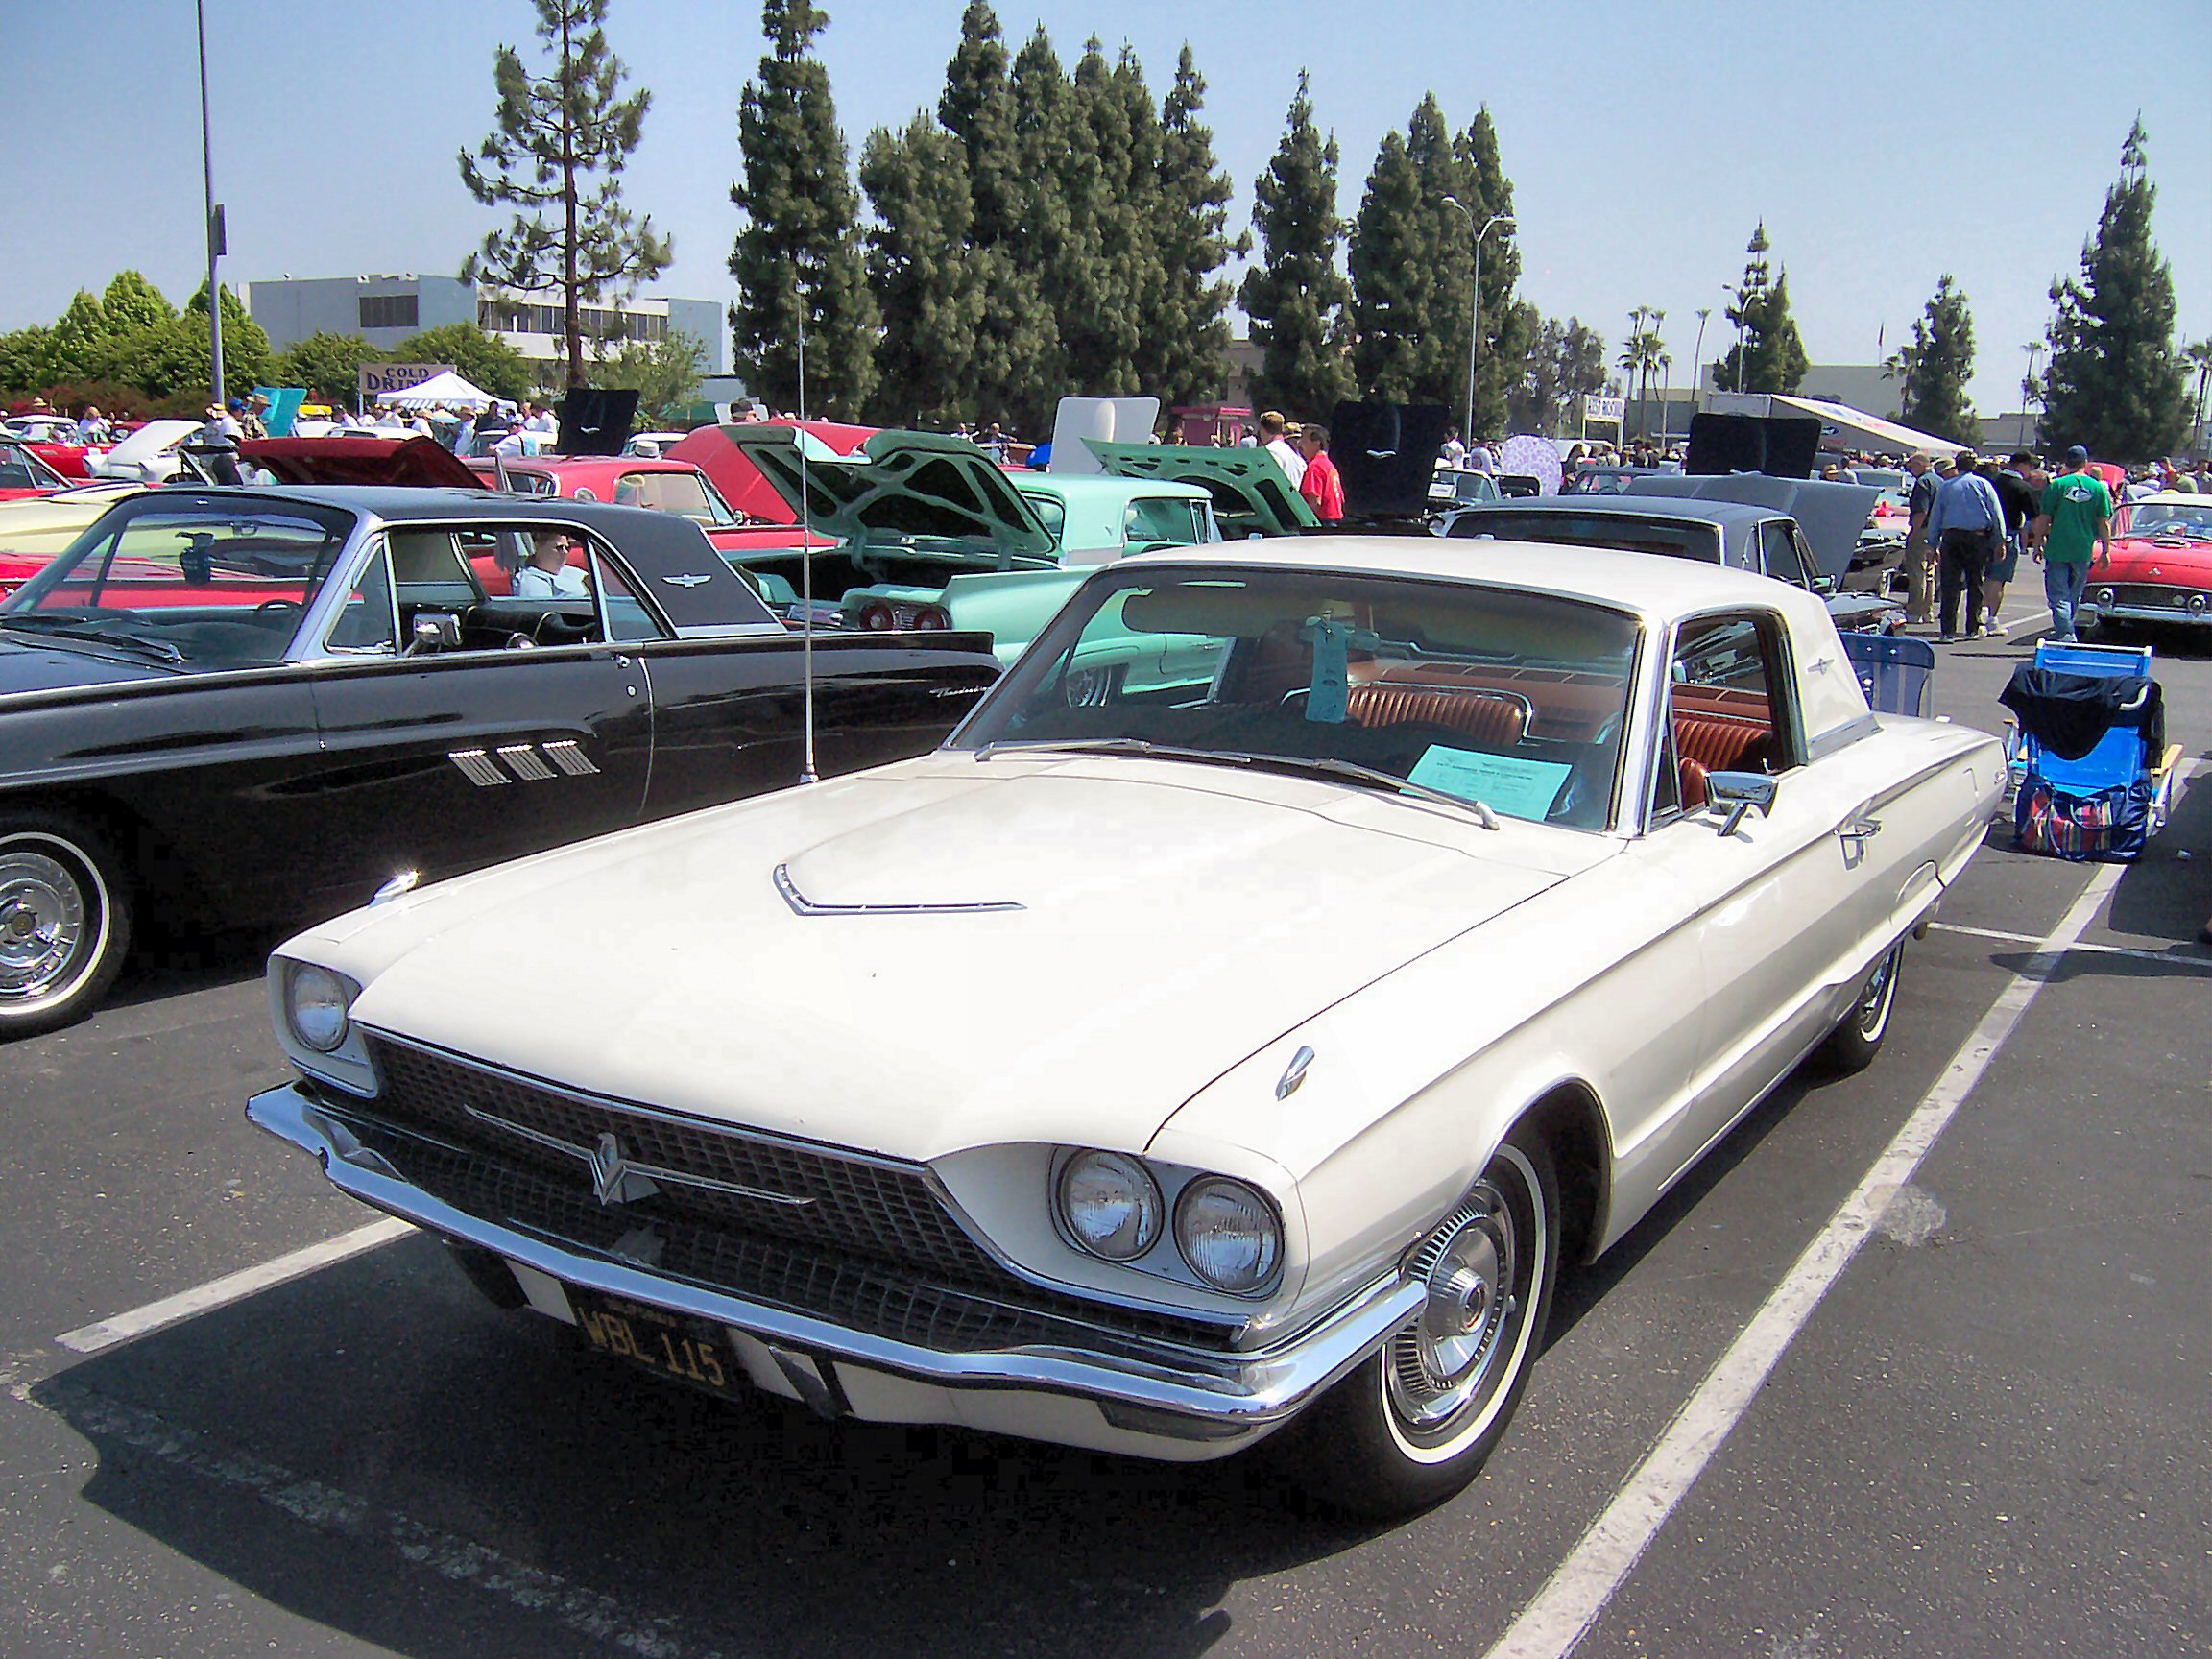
{"type": "Point", "coordinates": [1965, 527]}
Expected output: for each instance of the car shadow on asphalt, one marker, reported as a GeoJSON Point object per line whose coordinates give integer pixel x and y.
{"type": "Point", "coordinates": [174, 962]}
{"type": "Point", "coordinates": [375, 1449]}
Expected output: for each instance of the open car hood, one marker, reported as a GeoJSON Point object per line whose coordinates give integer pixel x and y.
{"type": "Point", "coordinates": [408, 461]}
{"type": "Point", "coordinates": [899, 485]}
{"type": "Point", "coordinates": [1251, 496]}
{"type": "Point", "coordinates": [1832, 515]}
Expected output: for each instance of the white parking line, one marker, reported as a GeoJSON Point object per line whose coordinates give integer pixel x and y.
{"type": "Point", "coordinates": [2181, 955]}
{"type": "Point", "coordinates": [1576, 1593]}
{"type": "Point", "coordinates": [231, 1287]}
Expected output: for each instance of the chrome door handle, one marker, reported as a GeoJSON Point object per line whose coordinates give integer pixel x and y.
{"type": "Point", "coordinates": [1860, 828]}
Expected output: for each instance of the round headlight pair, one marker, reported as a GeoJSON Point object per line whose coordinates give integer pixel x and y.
{"type": "Point", "coordinates": [317, 1003]}
{"type": "Point", "coordinates": [1226, 1232]}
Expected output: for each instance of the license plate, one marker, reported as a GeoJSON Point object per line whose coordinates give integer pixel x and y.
{"type": "Point", "coordinates": [681, 1349]}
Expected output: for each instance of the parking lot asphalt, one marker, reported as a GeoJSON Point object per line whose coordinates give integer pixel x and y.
{"type": "Point", "coordinates": [1990, 1437]}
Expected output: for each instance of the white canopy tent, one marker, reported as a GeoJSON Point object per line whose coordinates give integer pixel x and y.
{"type": "Point", "coordinates": [448, 389]}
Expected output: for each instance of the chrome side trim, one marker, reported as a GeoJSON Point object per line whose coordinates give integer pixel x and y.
{"type": "Point", "coordinates": [523, 760]}
{"type": "Point", "coordinates": [569, 756]}
{"type": "Point", "coordinates": [479, 768]}
{"type": "Point", "coordinates": [1250, 1390]}
{"type": "Point", "coordinates": [801, 906]}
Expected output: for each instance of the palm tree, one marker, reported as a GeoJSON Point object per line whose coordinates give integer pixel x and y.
{"type": "Point", "coordinates": [2200, 356]}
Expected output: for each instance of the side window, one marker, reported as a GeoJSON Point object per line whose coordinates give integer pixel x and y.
{"type": "Point", "coordinates": [1778, 552]}
{"type": "Point", "coordinates": [1051, 511]}
{"type": "Point", "coordinates": [627, 614]}
{"type": "Point", "coordinates": [367, 627]}
{"type": "Point", "coordinates": [1724, 712]}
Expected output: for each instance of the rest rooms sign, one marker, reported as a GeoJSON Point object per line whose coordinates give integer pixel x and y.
{"type": "Point", "coordinates": [379, 379]}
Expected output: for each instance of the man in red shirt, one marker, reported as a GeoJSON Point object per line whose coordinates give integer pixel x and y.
{"type": "Point", "coordinates": [1323, 489]}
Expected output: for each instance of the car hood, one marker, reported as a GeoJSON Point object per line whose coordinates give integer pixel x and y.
{"type": "Point", "coordinates": [1087, 990]}
{"type": "Point", "coordinates": [29, 664]}
{"type": "Point", "coordinates": [2170, 559]}
{"type": "Point", "coordinates": [1830, 514]}
{"type": "Point", "coordinates": [898, 485]}
{"type": "Point", "coordinates": [1251, 496]}
{"type": "Point", "coordinates": [354, 459]}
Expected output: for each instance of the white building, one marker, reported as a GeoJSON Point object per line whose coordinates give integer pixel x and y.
{"type": "Point", "coordinates": [386, 310]}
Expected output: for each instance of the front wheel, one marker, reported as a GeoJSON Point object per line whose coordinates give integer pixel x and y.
{"type": "Point", "coordinates": [1853, 1045]}
{"type": "Point", "coordinates": [1422, 1414]}
{"type": "Point", "coordinates": [64, 922]}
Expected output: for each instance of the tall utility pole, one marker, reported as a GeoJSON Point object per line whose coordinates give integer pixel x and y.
{"type": "Point", "coordinates": [215, 236]}
{"type": "Point", "coordinates": [1697, 363]}
{"type": "Point", "coordinates": [1474, 302]}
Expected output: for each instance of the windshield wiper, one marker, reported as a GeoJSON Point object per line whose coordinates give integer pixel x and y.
{"type": "Point", "coordinates": [1353, 771]}
{"type": "Point", "coordinates": [1116, 746]}
{"type": "Point", "coordinates": [72, 628]}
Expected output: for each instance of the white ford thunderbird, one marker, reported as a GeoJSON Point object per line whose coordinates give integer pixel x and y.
{"type": "Point", "coordinates": [1304, 949]}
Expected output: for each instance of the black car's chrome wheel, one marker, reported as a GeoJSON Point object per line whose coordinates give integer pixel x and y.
{"type": "Point", "coordinates": [64, 923]}
{"type": "Point", "coordinates": [1416, 1422]}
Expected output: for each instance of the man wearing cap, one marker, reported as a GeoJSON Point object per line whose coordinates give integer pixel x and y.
{"type": "Point", "coordinates": [1274, 438]}
{"type": "Point", "coordinates": [2075, 518]}
{"type": "Point", "coordinates": [1920, 563]}
{"type": "Point", "coordinates": [1966, 528]}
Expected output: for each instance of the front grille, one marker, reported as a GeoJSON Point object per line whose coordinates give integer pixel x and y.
{"type": "Point", "coordinates": [876, 1251]}
{"type": "Point", "coordinates": [889, 1214]}
{"type": "Point", "coordinates": [2156, 598]}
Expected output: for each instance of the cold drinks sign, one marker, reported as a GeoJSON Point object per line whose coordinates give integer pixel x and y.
{"type": "Point", "coordinates": [382, 379]}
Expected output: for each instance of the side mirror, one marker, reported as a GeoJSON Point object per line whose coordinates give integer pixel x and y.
{"type": "Point", "coordinates": [1733, 794]}
{"type": "Point", "coordinates": [1823, 584]}
{"type": "Point", "coordinates": [432, 631]}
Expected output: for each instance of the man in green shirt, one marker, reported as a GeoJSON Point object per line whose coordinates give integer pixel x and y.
{"type": "Point", "coordinates": [2075, 515]}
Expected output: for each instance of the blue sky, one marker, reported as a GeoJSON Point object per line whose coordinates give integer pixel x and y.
{"type": "Point", "coordinates": [1884, 144]}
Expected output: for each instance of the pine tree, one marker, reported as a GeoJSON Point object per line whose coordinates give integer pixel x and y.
{"type": "Point", "coordinates": [1508, 329]}
{"type": "Point", "coordinates": [2115, 382]}
{"type": "Point", "coordinates": [1401, 262]}
{"type": "Point", "coordinates": [1938, 366]}
{"type": "Point", "coordinates": [557, 133]}
{"type": "Point", "coordinates": [1768, 356]}
{"type": "Point", "coordinates": [1095, 280]}
{"type": "Point", "coordinates": [929, 290]}
{"type": "Point", "coordinates": [1295, 297]}
{"type": "Point", "coordinates": [1183, 348]}
{"type": "Point", "coordinates": [1015, 361]}
{"type": "Point", "coordinates": [799, 244]}
{"type": "Point", "coordinates": [246, 353]}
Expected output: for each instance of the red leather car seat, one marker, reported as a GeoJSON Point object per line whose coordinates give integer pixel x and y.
{"type": "Point", "coordinates": [1488, 721]}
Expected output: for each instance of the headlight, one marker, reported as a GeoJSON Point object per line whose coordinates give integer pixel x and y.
{"type": "Point", "coordinates": [1110, 1205]}
{"type": "Point", "coordinates": [317, 1003]}
{"type": "Point", "coordinates": [1228, 1234]}
{"type": "Point", "coordinates": [2104, 596]}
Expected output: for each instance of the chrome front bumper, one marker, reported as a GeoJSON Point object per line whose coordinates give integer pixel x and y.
{"type": "Point", "coordinates": [1220, 1394]}
{"type": "Point", "coordinates": [2169, 616]}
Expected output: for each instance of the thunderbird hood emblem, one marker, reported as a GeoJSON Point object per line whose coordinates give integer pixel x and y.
{"type": "Point", "coordinates": [613, 1180]}
{"type": "Point", "coordinates": [689, 578]}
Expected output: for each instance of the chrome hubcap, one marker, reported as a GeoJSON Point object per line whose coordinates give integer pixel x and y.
{"type": "Point", "coordinates": [44, 925]}
{"type": "Point", "coordinates": [1446, 1358]}
{"type": "Point", "coordinates": [1874, 1005]}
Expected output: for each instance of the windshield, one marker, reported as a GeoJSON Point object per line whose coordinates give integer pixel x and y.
{"type": "Point", "coordinates": [1515, 700]}
{"type": "Point", "coordinates": [687, 493]}
{"type": "Point", "coordinates": [2177, 519]}
{"type": "Point", "coordinates": [202, 581]}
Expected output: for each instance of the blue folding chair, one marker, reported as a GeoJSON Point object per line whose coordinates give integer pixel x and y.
{"type": "Point", "coordinates": [2125, 758]}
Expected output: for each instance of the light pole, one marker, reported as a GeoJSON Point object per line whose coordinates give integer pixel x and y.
{"type": "Point", "coordinates": [1697, 363]}
{"type": "Point", "coordinates": [1474, 303]}
{"type": "Point", "coordinates": [1632, 359]}
{"type": "Point", "coordinates": [215, 237]}
{"type": "Point", "coordinates": [2029, 388]}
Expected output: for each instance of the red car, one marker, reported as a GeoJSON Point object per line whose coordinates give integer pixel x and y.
{"type": "Point", "coordinates": [712, 450]}
{"type": "Point", "coordinates": [665, 484]}
{"type": "Point", "coordinates": [2161, 569]}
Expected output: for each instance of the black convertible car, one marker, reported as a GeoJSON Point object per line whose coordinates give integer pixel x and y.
{"type": "Point", "coordinates": [235, 707]}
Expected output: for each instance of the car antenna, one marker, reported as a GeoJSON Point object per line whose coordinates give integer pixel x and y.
{"type": "Point", "coordinates": [807, 772]}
